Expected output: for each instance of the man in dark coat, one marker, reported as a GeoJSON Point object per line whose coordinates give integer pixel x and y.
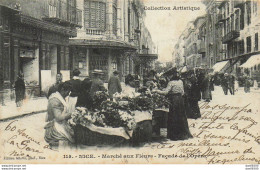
{"type": "Point", "coordinates": [231, 84]}
{"type": "Point", "coordinates": [54, 87]}
{"type": "Point", "coordinates": [19, 90]}
{"type": "Point", "coordinates": [224, 83]}
{"type": "Point", "coordinates": [114, 85]}
{"type": "Point", "coordinates": [75, 91]}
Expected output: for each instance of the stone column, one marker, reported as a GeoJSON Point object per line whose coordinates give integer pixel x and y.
{"type": "Point", "coordinates": [109, 18]}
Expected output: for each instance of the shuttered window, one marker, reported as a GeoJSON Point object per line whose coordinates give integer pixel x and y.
{"type": "Point", "coordinates": [115, 17]}
{"type": "Point", "coordinates": [95, 14]}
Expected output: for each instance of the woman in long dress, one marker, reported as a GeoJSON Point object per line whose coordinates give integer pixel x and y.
{"type": "Point", "coordinates": [58, 133]}
{"type": "Point", "coordinates": [193, 97]}
{"type": "Point", "coordinates": [177, 124]}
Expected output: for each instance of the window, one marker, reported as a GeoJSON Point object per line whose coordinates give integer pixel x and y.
{"type": "Point", "coordinates": [255, 8]}
{"type": "Point", "coordinates": [115, 17]}
{"type": "Point", "coordinates": [248, 7]}
{"type": "Point", "coordinates": [256, 42]}
{"type": "Point", "coordinates": [241, 47]}
{"type": "Point", "coordinates": [242, 22]}
{"type": "Point", "coordinates": [237, 21]}
{"type": "Point", "coordinates": [232, 22]}
{"type": "Point", "coordinates": [95, 15]}
{"type": "Point", "coordinates": [228, 25]}
{"type": "Point", "coordinates": [248, 44]}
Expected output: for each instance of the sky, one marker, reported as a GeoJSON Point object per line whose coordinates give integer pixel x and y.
{"type": "Point", "coordinates": [166, 26]}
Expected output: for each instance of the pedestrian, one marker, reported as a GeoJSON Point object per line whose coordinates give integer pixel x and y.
{"type": "Point", "coordinates": [255, 85]}
{"type": "Point", "coordinates": [84, 99]}
{"type": "Point", "coordinates": [206, 91]}
{"type": "Point", "coordinates": [55, 86]}
{"type": "Point", "coordinates": [97, 83]}
{"type": "Point", "coordinates": [58, 132]}
{"type": "Point", "coordinates": [193, 97]}
{"type": "Point", "coordinates": [187, 93]}
{"type": "Point", "coordinates": [231, 84]}
{"type": "Point", "coordinates": [247, 84]}
{"type": "Point", "coordinates": [177, 124]}
{"type": "Point", "coordinates": [2, 89]}
{"type": "Point", "coordinates": [114, 85]}
{"type": "Point", "coordinates": [19, 90]}
{"type": "Point", "coordinates": [224, 83]}
{"type": "Point", "coordinates": [75, 91]}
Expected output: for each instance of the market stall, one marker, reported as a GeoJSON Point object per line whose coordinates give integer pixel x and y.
{"type": "Point", "coordinates": [127, 120]}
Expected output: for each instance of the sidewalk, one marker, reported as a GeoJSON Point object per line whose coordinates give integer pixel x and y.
{"type": "Point", "coordinates": [30, 106]}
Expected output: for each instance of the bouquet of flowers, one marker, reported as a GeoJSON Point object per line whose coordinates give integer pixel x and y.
{"type": "Point", "coordinates": [98, 98]}
{"type": "Point", "coordinates": [84, 117]}
{"type": "Point", "coordinates": [160, 101]}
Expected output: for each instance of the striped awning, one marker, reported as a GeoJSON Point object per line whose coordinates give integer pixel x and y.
{"type": "Point", "coordinates": [220, 66]}
{"type": "Point", "coordinates": [251, 62]}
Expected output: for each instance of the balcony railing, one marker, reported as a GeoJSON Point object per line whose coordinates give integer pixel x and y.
{"type": "Point", "coordinates": [93, 31]}
{"type": "Point", "coordinates": [63, 14]}
{"type": "Point", "coordinates": [221, 18]}
{"type": "Point", "coordinates": [230, 36]}
{"type": "Point", "coordinates": [238, 3]}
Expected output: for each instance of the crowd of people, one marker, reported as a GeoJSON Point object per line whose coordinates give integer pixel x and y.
{"type": "Point", "coordinates": [183, 90]}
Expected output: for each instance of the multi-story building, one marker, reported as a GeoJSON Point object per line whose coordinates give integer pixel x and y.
{"type": "Point", "coordinates": [178, 52]}
{"type": "Point", "coordinates": [110, 38]}
{"type": "Point", "coordinates": [194, 43]}
{"type": "Point", "coordinates": [34, 38]}
{"type": "Point", "coordinates": [233, 29]}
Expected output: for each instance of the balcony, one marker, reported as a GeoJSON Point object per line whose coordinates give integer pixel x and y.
{"type": "Point", "coordinates": [63, 14]}
{"type": "Point", "coordinates": [201, 48]}
{"type": "Point", "coordinates": [230, 36]}
{"type": "Point", "coordinates": [93, 31]}
{"type": "Point", "coordinates": [239, 3]}
{"type": "Point", "coordinates": [220, 18]}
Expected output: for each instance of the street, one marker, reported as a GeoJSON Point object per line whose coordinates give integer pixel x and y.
{"type": "Point", "coordinates": [229, 124]}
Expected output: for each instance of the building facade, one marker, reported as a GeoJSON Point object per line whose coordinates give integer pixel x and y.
{"type": "Point", "coordinates": [228, 37]}
{"type": "Point", "coordinates": [34, 38]}
{"type": "Point", "coordinates": [237, 35]}
{"type": "Point", "coordinates": [194, 43]}
{"type": "Point", "coordinates": [110, 38]}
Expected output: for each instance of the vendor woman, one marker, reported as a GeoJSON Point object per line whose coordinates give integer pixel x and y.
{"type": "Point", "coordinates": [58, 132]}
{"type": "Point", "coordinates": [177, 124]}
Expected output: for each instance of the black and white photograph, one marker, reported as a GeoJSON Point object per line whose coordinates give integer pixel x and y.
{"type": "Point", "coordinates": [130, 82]}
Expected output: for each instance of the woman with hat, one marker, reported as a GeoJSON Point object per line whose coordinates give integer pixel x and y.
{"type": "Point", "coordinates": [114, 85]}
{"type": "Point", "coordinates": [177, 124]}
{"type": "Point", "coordinates": [19, 90]}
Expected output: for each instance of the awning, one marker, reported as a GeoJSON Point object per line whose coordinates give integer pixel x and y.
{"type": "Point", "coordinates": [102, 44]}
{"type": "Point", "coordinates": [251, 62]}
{"type": "Point", "coordinates": [149, 56]}
{"type": "Point", "coordinates": [184, 69]}
{"type": "Point", "coordinates": [220, 66]}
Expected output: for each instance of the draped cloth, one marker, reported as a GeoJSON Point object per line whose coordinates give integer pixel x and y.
{"type": "Point", "coordinates": [57, 130]}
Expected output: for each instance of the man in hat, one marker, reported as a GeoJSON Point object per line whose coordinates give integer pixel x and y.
{"type": "Point", "coordinates": [19, 90]}
{"type": "Point", "coordinates": [114, 85]}
{"type": "Point", "coordinates": [97, 83]}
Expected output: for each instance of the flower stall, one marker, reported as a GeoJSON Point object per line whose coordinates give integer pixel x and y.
{"type": "Point", "coordinates": [127, 120]}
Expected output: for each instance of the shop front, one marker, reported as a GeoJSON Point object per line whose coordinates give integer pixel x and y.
{"type": "Point", "coordinates": [102, 55]}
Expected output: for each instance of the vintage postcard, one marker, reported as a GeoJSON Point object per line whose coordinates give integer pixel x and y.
{"type": "Point", "coordinates": [129, 81]}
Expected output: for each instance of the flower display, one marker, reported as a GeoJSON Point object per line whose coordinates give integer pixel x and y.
{"type": "Point", "coordinates": [117, 113]}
